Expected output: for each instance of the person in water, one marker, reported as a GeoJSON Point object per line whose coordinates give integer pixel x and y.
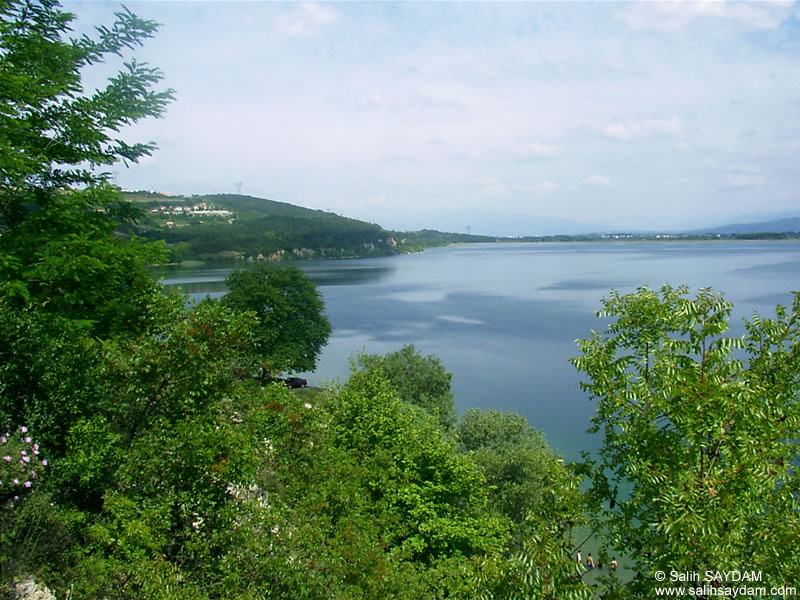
{"type": "Point", "coordinates": [589, 561]}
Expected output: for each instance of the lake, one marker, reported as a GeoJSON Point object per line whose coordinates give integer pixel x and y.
{"type": "Point", "coordinates": [503, 318]}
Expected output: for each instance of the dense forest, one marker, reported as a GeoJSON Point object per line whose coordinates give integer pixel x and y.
{"type": "Point", "coordinates": [148, 448]}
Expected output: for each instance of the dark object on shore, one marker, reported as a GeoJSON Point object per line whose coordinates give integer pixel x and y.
{"type": "Point", "coordinates": [295, 382]}
{"type": "Point", "coordinates": [290, 382]}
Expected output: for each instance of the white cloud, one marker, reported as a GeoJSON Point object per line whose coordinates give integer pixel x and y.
{"type": "Point", "coordinates": [306, 21]}
{"type": "Point", "coordinates": [644, 128]}
{"type": "Point", "coordinates": [600, 180]}
{"type": "Point", "coordinates": [746, 180]}
{"type": "Point", "coordinates": [674, 15]}
{"type": "Point", "coordinates": [374, 100]}
{"type": "Point", "coordinates": [492, 185]}
{"type": "Point", "coordinates": [544, 150]}
{"type": "Point", "coordinates": [543, 187]}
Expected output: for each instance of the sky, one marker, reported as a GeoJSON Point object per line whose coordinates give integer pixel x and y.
{"type": "Point", "coordinates": [499, 118]}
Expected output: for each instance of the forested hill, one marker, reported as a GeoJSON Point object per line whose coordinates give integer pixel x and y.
{"type": "Point", "coordinates": [231, 226]}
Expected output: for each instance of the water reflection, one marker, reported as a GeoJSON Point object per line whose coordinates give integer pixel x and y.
{"type": "Point", "coordinates": [196, 278]}
{"type": "Point", "coordinates": [789, 269]}
{"type": "Point", "coordinates": [772, 300]}
{"type": "Point", "coordinates": [196, 287]}
{"type": "Point", "coordinates": [346, 272]}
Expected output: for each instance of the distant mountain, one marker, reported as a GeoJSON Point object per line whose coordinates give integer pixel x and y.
{"type": "Point", "coordinates": [516, 225]}
{"type": "Point", "coordinates": [761, 217]}
{"type": "Point", "coordinates": [785, 225]}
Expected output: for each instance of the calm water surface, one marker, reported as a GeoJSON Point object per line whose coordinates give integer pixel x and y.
{"type": "Point", "coordinates": [504, 318]}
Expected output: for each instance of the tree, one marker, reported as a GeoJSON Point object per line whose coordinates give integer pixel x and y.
{"type": "Point", "coordinates": [67, 277]}
{"type": "Point", "coordinates": [292, 327]}
{"type": "Point", "coordinates": [77, 308]}
{"type": "Point", "coordinates": [58, 214]}
{"type": "Point", "coordinates": [66, 260]}
{"type": "Point", "coordinates": [433, 498]}
{"type": "Point", "coordinates": [698, 470]}
{"type": "Point", "coordinates": [419, 380]}
{"type": "Point", "coordinates": [515, 458]}
{"type": "Point", "coordinates": [52, 133]}
{"type": "Point", "coordinates": [531, 486]}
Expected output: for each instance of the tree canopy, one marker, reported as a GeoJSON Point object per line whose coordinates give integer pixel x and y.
{"type": "Point", "coordinates": [53, 132]}
{"type": "Point", "coordinates": [420, 380]}
{"type": "Point", "coordinates": [57, 211]}
{"type": "Point", "coordinates": [698, 469]}
{"type": "Point", "coordinates": [292, 326]}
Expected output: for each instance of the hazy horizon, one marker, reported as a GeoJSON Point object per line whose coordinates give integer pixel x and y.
{"type": "Point", "coordinates": [479, 116]}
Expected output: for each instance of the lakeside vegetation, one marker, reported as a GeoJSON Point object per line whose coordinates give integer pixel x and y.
{"type": "Point", "coordinates": [144, 455]}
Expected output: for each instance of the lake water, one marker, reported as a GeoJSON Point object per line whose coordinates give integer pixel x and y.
{"type": "Point", "coordinates": [503, 318]}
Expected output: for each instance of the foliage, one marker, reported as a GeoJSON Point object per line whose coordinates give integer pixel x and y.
{"type": "Point", "coordinates": [435, 498]}
{"type": "Point", "coordinates": [431, 237]}
{"type": "Point", "coordinates": [52, 133]}
{"type": "Point", "coordinates": [260, 229]}
{"type": "Point", "coordinates": [50, 373]}
{"type": "Point", "coordinates": [516, 459]}
{"type": "Point", "coordinates": [20, 465]}
{"type": "Point", "coordinates": [419, 380]}
{"type": "Point", "coordinates": [65, 259]}
{"type": "Point", "coordinates": [275, 230]}
{"type": "Point", "coordinates": [292, 327]}
{"type": "Point", "coordinates": [143, 451]}
{"type": "Point", "coordinates": [170, 476]}
{"type": "Point", "coordinates": [55, 242]}
{"type": "Point", "coordinates": [532, 487]}
{"type": "Point", "coordinates": [698, 467]}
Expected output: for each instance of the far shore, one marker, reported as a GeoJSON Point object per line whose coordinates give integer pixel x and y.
{"type": "Point", "coordinates": [589, 239]}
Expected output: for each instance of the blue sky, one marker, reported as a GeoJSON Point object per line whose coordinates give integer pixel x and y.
{"type": "Point", "coordinates": [506, 118]}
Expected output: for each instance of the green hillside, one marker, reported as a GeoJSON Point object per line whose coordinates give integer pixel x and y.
{"type": "Point", "coordinates": [229, 226]}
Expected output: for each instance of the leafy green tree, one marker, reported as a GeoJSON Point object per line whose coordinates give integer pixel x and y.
{"type": "Point", "coordinates": [698, 469]}
{"type": "Point", "coordinates": [359, 495]}
{"type": "Point", "coordinates": [435, 498]}
{"type": "Point", "coordinates": [66, 260]}
{"type": "Point", "coordinates": [57, 212]}
{"type": "Point", "coordinates": [292, 326]}
{"type": "Point", "coordinates": [514, 456]}
{"type": "Point", "coordinates": [530, 485]}
{"type": "Point", "coordinates": [419, 380]}
{"type": "Point", "coordinates": [53, 133]}
{"type": "Point", "coordinates": [142, 439]}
